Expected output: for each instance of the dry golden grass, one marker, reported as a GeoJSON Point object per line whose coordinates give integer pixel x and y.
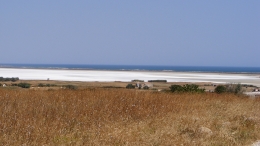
{"type": "Point", "coordinates": [125, 117]}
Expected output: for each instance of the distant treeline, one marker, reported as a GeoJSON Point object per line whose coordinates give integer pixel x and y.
{"type": "Point", "coordinates": [13, 79]}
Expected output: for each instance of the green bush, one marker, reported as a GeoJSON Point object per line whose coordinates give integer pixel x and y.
{"type": "Point", "coordinates": [238, 88]}
{"type": "Point", "coordinates": [130, 86]}
{"type": "Point", "coordinates": [176, 88]}
{"type": "Point", "coordinates": [145, 87]}
{"type": "Point", "coordinates": [230, 88]}
{"type": "Point", "coordinates": [46, 85]}
{"type": "Point", "coordinates": [72, 87]}
{"type": "Point", "coordinates": [41, 85]}
{"type": "Point", "coordinates": [186, 88]}
{"type": "Point", "coordinates": [220, 89]}
{"type": "Point", "coordinates": [234, 88]}
{"type": "Point", "coordinates": [192, 88]}
{"type": "Point", "coordinates": [24, 85]}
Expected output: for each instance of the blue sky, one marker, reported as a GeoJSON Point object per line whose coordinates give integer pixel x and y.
{"type": "Point", "coordinates": [143, 32]}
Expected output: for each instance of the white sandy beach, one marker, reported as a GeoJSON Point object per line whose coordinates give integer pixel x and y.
{"type": "Point", "coordinates": [98, 75]}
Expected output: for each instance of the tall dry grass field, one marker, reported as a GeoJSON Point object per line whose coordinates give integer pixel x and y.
{"type": "Point", "coordinates": [126, 117]}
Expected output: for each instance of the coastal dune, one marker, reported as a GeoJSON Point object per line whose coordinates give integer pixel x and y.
{"type": "Point", "coordinates": [105, 75]}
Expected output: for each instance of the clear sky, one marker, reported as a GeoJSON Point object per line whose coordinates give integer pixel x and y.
{"type": "Point", "coordinates": [136, 32]}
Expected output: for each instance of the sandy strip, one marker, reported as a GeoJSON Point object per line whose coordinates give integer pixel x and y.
{"type": "Point", "coordinates": [98, 75]}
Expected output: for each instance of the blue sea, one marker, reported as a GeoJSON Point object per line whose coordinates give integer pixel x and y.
{"type": "Point", "coordinates": [138, 67]}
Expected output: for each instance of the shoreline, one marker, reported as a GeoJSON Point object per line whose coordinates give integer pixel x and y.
{"type": "Point", "coordinates": [131, 70]}
{"type": "Point", "coordinates": [154, 68]}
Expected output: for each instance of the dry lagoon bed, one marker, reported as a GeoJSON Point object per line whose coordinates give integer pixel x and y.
{"type": "Point", "coordinates": [127, 76]}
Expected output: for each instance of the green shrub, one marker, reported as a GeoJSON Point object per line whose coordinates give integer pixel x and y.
{"type": "Point", "coordinates": [234, 88]}
{"type": "Point", "coordinates": [220, 89]}
{"type": "Point", "coordinates": [238, 88]}
{"type": "Point", "coordinates": [41, 85]}
{"type": "Point", "coordinates": [46, 85]}
{"type": "Point", "coordinates": [24, 85]}
{"type": "Point", "coordinates": [230, 88]}
{"type": "Point", "coordinates": [145, 87]}
{"type": "Point", "coordinates": [176, 88]}
{"type": "Point", "coordinates": [130, 86]}
{"type": "Point", "coordinates": [72, 87]}
{"type": "Point", "coordinates": [192, 88]}
{"type": "Point", "coordinates": [186, 88]}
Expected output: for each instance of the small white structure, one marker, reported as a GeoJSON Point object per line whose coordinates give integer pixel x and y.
{"type": "Point", "coordinates": [138, 85]}
{"type": "Point", "coordinates": [4, 85]}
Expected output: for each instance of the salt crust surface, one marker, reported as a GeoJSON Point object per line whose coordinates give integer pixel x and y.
{"type": "Point", "coordinates": [98, 75]}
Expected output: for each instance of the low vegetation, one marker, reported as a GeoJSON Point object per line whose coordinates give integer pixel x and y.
{"type": "Point", "coordinates": [99, 116]}
{"type": "Point", "coordinates": [230, 88]}
{"type": "Point", "coordinates": [246, 85]}
{"type": "Point", "coordinates": [24, 85]}
{"type": "Point", "coordinates": [220, 89]}
{"type": "Point", "coordinates": [186, 88]}
{"type": "Point", "coordinates": [13, 79]}
{"type": "Point", "coordinates": [72, 87]}
{"type": "Point", "coordinates": [145, 87]}
{"type": "Point", "coordinates": [130, 86]}
{"type": "Point", "coordinates": [46, 85]}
